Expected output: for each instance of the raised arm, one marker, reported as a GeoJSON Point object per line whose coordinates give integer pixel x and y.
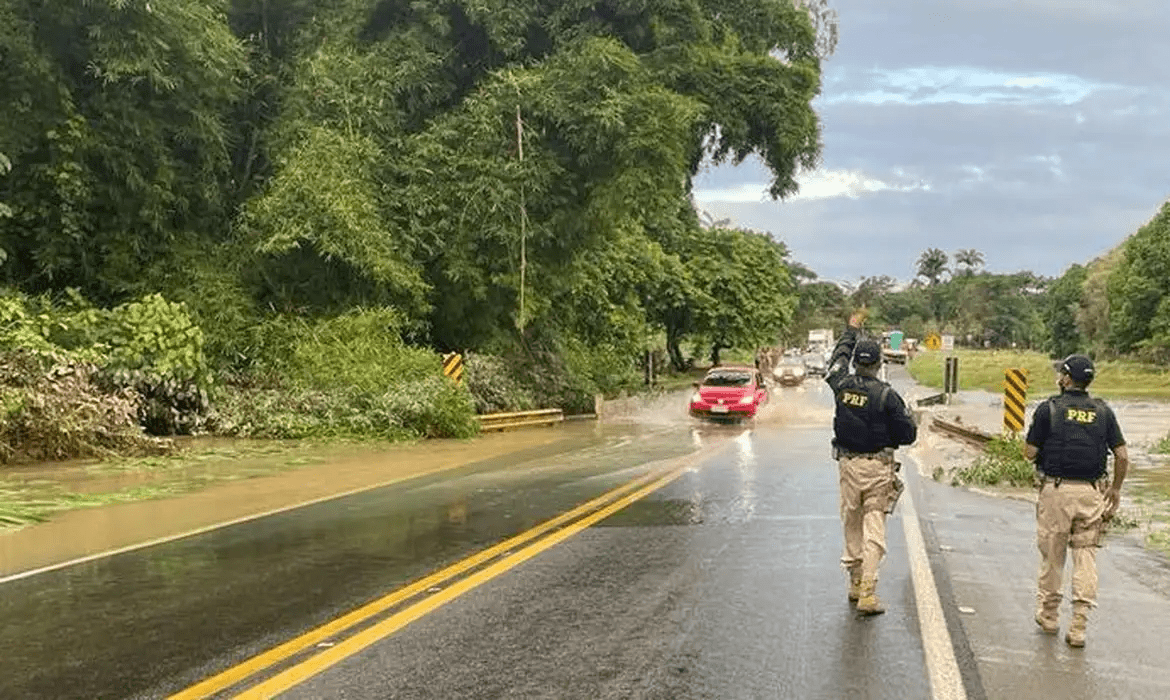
{"type": "Point", "coordinates": [843, 351]}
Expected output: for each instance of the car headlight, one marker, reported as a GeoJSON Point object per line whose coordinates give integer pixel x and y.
{"type": "Point", "coordinates": [696, 397]}
{"type": "Point", "coordinates": [799, 371]}
{"type": "Point", "coordinates": [747, 399]}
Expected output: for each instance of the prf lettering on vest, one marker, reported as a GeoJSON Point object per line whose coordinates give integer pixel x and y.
{"type": "Point", "coordinates": [1077, 415]}
{"type": "Point", "coordinates": [850, 398]}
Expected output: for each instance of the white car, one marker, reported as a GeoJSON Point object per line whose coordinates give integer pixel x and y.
{"type": "Point", "coordinates": [790, 371]}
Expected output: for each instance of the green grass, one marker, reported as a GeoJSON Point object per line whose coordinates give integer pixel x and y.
{"type": "Point", "coordinates": [1162, 446]}
{"type": "Point", "coordinates": [21, 507]}
{"type": "Point", "coordinates": [1159, 541]}
{"type": "Point", "coordinates": [984, 369]}
{"type": "Point", "coordinates": [1002, 461]}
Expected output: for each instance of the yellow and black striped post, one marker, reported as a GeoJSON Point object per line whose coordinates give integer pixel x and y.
{"type": "Point", "coordinates": [453, 366]}
{"type": "Point", "coordinates": [1015, 392]}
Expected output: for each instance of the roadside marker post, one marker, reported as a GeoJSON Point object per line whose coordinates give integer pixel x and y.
{"type": "Point", "coordinates": [453, 366]}
{"type": "Point", "coordinates": [1015, 392]}
{"type": "Point", "coordinates": [951, 376]}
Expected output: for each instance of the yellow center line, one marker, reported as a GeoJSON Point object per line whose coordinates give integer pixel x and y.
{"type": "Point", "coordinates": [235, 674]}
{"type": "Point", "coordinates": [301, 672]}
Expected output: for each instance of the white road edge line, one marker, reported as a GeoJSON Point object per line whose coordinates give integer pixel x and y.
{"type": "Point", "coordinates": [946, 683]}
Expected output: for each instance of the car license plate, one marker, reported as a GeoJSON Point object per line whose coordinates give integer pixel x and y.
{"type": "Point", "coordinates": [718, 409]}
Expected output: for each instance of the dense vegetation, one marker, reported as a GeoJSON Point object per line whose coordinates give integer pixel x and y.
{"type": "Point", "coordinates": [266, 217]}
{"type": "Point", "coordinates": [269, 217]}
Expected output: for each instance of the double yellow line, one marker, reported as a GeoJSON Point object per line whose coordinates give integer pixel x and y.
{"type": "Point", "coordinates": [561, 528]}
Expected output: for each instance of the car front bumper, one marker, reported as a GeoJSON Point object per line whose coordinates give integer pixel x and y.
{"type": "Point", "coordinates": [705, 410]}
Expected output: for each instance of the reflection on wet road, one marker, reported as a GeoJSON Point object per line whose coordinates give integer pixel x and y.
{"type": "Point", "coordinates": [182, 610]}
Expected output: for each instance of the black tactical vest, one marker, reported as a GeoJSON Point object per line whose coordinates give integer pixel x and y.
{"type": "Point", "coordinates": [859, 424]}
{"type": "Point", "coordinates": [1076, 445]}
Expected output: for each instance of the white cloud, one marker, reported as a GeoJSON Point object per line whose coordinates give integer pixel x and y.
{"type": "Point", "coordinates": [818, 184]}
{"type": "Point", "coordinates": [956, 84]}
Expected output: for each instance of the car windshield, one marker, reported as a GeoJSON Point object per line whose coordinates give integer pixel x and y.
{"type": "Point", "coordinates": [728, 379]}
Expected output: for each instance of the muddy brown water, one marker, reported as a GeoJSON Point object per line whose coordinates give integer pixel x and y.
{"type": "Point", "coordinates": [224, 480]}
{"type": "Point", "coordinates": [223, 489]}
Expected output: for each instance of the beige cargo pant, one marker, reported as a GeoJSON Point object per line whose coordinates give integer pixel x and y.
{"type": "Point", "coordinates": [867, 487]}
{"type": "Point", "coordinates": [1069, 516]}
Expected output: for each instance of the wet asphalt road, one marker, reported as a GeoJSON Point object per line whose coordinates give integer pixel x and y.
{"type": "Point", "coordinates": [722, 584]}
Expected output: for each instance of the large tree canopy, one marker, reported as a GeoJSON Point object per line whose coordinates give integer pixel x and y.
{"type": "Point", "coordinates": [1139, 290]}
{"type": "Point", "coordinates": [487, 169]}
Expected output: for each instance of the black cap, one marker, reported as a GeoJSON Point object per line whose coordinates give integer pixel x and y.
{"type": "Point", "coordinates": [1078, 367]}
{"type": "Point", "coordinates": [867, 352]}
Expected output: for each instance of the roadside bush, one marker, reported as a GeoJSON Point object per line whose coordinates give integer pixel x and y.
{"type": "Point", "coordinates": [493, 387]}
{"type": "Point", "coordinates": [431, 407]}
{"type": "Point", "coordinates": [51, 408]}
{"type": "Point", "coordinates": [1002, 461]}
{"type": "Point", "coordinates": [567, 375]}
{"type": "Point", "coordinates": [347, 376]}
{"type": "Point", "coordinates": [1162, 446]}
{"type": "Point", "coordinates": [150, 346]}
{"type": "Point", "coordinates": [361, 349]}
{"type": "Point", "coordinates": [156, 349]}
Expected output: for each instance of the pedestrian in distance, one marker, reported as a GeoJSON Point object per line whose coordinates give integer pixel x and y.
{"type": "Point", "coordinates": [870, 422]}
{"type": "Point", "coordinates": [1069, 441]}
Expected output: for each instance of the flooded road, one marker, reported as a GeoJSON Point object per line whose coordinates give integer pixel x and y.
{"type": "Point", "coordinates": [703, 564]}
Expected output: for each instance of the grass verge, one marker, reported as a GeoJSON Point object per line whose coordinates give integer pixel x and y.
{"type": "Point", "coordinates": [984, 369]}
{"type": "Point", "coordinates": [1002, 462]}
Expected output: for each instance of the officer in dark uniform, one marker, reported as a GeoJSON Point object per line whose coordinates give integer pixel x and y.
{"type": "Point", "coordinates": [1069, 440]}
{"type": "Point", "coordinates": [870, 422]}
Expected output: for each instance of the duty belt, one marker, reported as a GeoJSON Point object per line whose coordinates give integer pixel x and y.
{"type": "Point", "coordinates": [1058, 480]}
{"type": "Point", "coordinates": [885, 455]}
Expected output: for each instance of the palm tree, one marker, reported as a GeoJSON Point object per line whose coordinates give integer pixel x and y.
{"type": "Point", "coordinates": [708, 220]}
{"type": "Point", "coordinates": [932, 265]}
{"type": "Point", "coordinates": [970, 259]}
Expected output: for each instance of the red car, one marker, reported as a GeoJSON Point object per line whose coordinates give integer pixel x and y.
{"type": "Point", "coordinates": [729, 393]}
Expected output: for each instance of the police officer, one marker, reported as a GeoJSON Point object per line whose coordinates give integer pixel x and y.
{"type": "Point", "coordinates": [1069, 439]}
{"type": "Point", "coordinates": [870, 422]}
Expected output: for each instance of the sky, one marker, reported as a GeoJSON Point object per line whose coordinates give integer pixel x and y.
{"type": "Point", "coordinates": [1034, 131]}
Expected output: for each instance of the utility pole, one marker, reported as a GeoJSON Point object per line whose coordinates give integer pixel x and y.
{"type": "Point", "coordinates": [523, 219]}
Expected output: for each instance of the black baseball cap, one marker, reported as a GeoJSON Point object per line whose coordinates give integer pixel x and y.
{"type": "Point", "coordinates": [867, 352]}
{"type": "Point", "coordinates": [1079, 368]}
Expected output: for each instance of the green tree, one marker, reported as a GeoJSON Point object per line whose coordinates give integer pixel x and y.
{"type": "Point", "coordinates": [932, 265]}
{"type": "Point", "coordinates": [870, 290]}
{"type": "Point", "coordinates": [970, 259]}
{"type": "Point", "coordinates": [745, 275]}
{"type": "Point", "coordinates": [116, 122]}
{"type": "Point", "coordinates": [1062, 301]}
{"type": "Point", "coordinates": [1139, 290]}
{"type": "Point", "coordinates": [820, 304]}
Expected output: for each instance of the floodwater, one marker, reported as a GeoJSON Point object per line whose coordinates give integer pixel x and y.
{"type": "Point", "coordinates": [98, 507]}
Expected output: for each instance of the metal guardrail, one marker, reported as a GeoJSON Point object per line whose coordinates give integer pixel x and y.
{"type": "Point", "coordinates": [933, 400]}
{"type": "Point", "coordinates": [520, 419]}
{"type": "Point", "coordinates": [973, 436]}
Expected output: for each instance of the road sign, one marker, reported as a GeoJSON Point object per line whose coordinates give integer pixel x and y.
{"type": "Point", "coordinates": [948, 342]}
{"type": "Point", "coordinates": [932, 341]}
{"type": "Point", "coordinates": [1015, 391]}
{"type": "Point", "coordinates": [453, 366]}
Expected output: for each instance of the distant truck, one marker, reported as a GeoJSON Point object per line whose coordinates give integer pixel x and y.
{"type": "Point", "coordinates": [894, 348]}
{"type": "Point", "coordinates": [820, 339]}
